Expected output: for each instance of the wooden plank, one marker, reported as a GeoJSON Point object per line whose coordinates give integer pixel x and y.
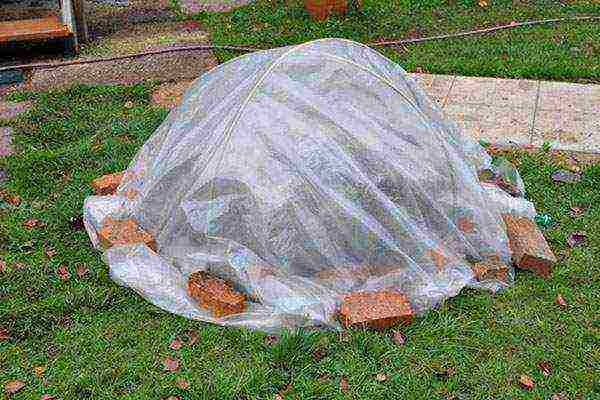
{"type": "Point", "coordinates": [80, 22]}
{"type": "Point", "coordinates": [31, 29]}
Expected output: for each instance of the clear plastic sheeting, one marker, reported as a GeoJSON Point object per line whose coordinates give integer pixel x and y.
{"type": "Point", "coordinates": [301, 174]}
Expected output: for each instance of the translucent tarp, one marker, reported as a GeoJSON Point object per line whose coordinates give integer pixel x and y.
{"type": "Point", "coordinates": [301, 174]}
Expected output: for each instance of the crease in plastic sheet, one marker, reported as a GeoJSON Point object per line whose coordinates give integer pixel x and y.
{"type": "Point", "coordinates": [301, 174]}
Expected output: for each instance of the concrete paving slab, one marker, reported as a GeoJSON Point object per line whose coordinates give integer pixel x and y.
{"type": "Point", "coordinates": [195, 6]}
{"type": "Point", "coordinates": [493, 124]}
{"type": "Point", "coordinates": [9, 110]}
{"type": "Point", "coordinates": [569, 97]}
{"type": "Point", "coordinates": [6, 147]}
{"type": "Point", "coordinates": [491, 91]}
{"type": "Point", "coordinates": [436, 86]}
{"type": "Point", "coordinates": [567, 130]}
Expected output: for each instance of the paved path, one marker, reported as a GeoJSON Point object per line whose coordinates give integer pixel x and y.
{"type": "Point", "coordinates": [509, 111]}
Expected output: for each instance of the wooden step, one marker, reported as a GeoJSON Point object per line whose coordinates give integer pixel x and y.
{"type": "Point", "coordinates": [32, 29]}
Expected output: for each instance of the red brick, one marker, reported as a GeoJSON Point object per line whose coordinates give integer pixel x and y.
{"type": "Point", "coordinates": [376, 310]}
{"type": "Point", "coordinates": [215, 294]}
{"type": "Point", "coordinates": [528, 245]}
{"type": "Point", "coordinates": [107, 184]}
{"type": "Point", "coordinates": [122, 232]}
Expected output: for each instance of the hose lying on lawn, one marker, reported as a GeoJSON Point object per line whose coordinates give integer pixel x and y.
{"type": "Point", "coordinates": [251, 49]}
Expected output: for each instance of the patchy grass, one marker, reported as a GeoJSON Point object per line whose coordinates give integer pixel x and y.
{"type": "Point", "coordinates": [568, 51]}
{"type": "Point", "coordinates": [97, 340]}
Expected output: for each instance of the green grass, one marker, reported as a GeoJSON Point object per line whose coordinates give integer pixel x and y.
{"type": "Point", "coordinates": [101, 341]}
{"type": "Point", "coordinates": [568, 51]}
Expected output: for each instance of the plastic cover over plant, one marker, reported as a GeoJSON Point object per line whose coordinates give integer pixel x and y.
{"type": "Point", "coordinates": [301, 174]}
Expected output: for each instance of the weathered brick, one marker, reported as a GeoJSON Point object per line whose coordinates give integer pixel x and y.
{"type": "Point", "coordinates": [215, 294]}
{"type": "Point", "coordinates": [122, 232]}
{"type": "Point", "coordinates": [107, 184]}
{"type": "Point", "coordinates": [376, 310]}
{"type": "Point", "coordinates": [529, 247]}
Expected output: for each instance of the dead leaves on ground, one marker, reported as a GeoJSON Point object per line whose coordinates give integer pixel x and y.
{"type": "Point", "coordinates": [182, 383]}
{"type": "Point", "coordinates": [175, 344]}
{"type": "Point", "coordinates": [344, 386]}
{"type": "Point", "coordinates": [560, 300]}
{"type": "Point", "coordinates": [526, 382]}
{"type": "Point", "coordinates": [13, 386]}
{"type": "Point", "coordinates": [398, 338]}
{"type": "Point", "coordinates": [578, 211]}
{"type": "Point", "coordinates": [81, 270]}
{"type": "Point", "coordinates": [170, 364]}
{"type": "Point", "coordinates": [31, 223]}
{"type": "Point", "coordinates": [381, 377]}
{"type": "Point", "coordinates": [63, 272]}
{"type": "Point", "coordinates": [12, 199]}
{"type": "Point", "coordinates": [545, 367]}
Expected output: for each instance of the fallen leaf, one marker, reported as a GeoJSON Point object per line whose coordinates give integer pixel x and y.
{"type": "Point", "coordinates": [4, 335]}
{"type": "Point", "coordinates": [577, 211]}
{"type": "Point", "coordinates": [445, 373]}
{"type": "Point", "coordinates": [182, 383]}
{"type": "Point", "coordinates": [576, 238]}
{"type": "Point", "coordinates": [545, 367]}
{"type": "Point", "coordinates": [2, 266]}
{"type": "Point", "coordinates": [271, 340]}
{"type": "Point", "coordinates": [19, 265]}
{"type": "Point", "coordinates": [31, 223]}
{"type": "Point", "coordinates": [526, 382]}
{"type": "Point", "coordinates": [278, 396]}
{"type": "Point", "coordinates": [558, 396]}
{"type": "Point", "coordinates": [13, 200]}
{"type": "Point", "coordinates": [564, 176]}
{"type": "Point", "coordinates": [13, 387]}
{"type": "Point", "coordinates": [81, 270]}
{"type": "Point", "coordinates": [560, 300]}
{"type": "Point", "coordinates": [398, 338]}
{"type": "Point", "coordinates": [50, 252]}
{"type": "Point", "coordinates": [63, 272]}
{"type": "Point", "coordinates": [344, 384]}
{"type": "Point", "coordinates": [171, 364]}
{"type": "Point", "coordinates": [381, 377]}
{"type": "Point", "coordinates": [48, 397]}
{"type": "Point", "coordinates": [39, 370]}
{"type": "Point", "coordinates": [175, 344]}
{"type": "Point", "coordinates": [483, 3]}
{"type": "Point", "coordinates": [192, 337]}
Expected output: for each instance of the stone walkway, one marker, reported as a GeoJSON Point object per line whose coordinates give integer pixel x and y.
{"type": "Point", "coordinates": [516, 111]}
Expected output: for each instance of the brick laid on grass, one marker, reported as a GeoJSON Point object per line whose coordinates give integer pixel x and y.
{"type": "Point", "coordinates": [122, 232]}
{"type": "Point", "coordinates": [376, 310]}
{"type": "Point", "coordinates": [529, 247]}
{"type": "Point", "coordinates": [215, 294]}
{"type": "Point", "coordinates": [107, 184]}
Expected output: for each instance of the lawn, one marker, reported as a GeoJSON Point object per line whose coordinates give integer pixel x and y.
{"type": "Point", "coordinates": [76, 334]}
{"type": "Point", "coordinates": [568, 51]}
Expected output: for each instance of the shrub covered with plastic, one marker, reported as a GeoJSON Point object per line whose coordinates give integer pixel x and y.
{"type": "Point", "coordinates": [300, 175]}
